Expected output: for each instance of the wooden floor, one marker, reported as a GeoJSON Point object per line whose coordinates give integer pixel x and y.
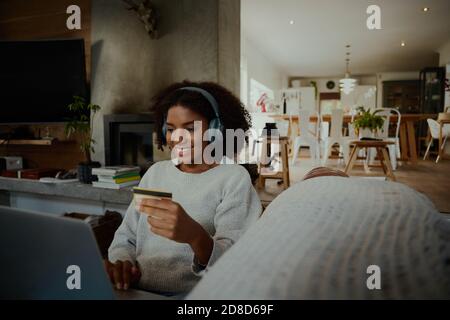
{"type": "Point", "coordinates": [431, 179]}
{"type": "Point", "coordinates": [426, 176]}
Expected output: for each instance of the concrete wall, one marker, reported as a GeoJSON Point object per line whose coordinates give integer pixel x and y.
{"type": "Point", "coordinates": [229, 53]}
{"type": "Point", "coordinates": [128, 67]}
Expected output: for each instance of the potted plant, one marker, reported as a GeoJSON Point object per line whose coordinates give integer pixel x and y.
{"type": "Point", "coordinates": [367, 123]}
{"type": "Point", "coordinates": [82, 126]}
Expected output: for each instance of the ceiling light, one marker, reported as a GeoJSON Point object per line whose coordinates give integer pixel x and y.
{"type": "Point", "coordinates": [403, 44]}
{"type": "Point", "coordinates": [347, 84]}
{"type": "Point", "coordinates": [291, 22]}
{"type": "Point", "coordinates": [425, 9]}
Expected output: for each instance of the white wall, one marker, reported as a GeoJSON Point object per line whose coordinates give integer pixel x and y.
{"type": "Point", "coordinates": [444, 54]}
{"type": "Point", "coordinates": [301, 97]}
{"type": "Point", "coordinates": [322, 82]}
{"type": "Point", "coordinates": [321, 86]}
{"type": "Point", "coordinates": [367, 80]}
{"type": "Point", "coordinates": [255, 65]}
{"type": "Point", "coordinates": [362, 95]}
{"type": "Point", "coordinates": [390, 76]}
{"type": "Point", "coordinates": [364, 82]}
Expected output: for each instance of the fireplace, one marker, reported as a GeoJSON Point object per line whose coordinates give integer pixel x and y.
{"type": "Point", "coordinates": [129, 139]}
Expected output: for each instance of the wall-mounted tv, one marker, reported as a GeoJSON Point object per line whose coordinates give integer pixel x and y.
{"type": "Point", "coordinates": [38, 79]}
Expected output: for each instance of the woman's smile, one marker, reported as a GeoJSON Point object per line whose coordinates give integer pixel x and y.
{"type": "Point", "coordinates": [182, 150]}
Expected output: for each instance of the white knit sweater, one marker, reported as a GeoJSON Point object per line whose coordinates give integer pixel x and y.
{"type": "Point", "coordinates": [221, 199]}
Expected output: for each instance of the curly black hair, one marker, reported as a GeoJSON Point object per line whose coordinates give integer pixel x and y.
{"type": "Point", "coordinates": [232, 112]}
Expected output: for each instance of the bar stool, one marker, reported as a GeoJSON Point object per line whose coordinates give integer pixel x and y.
{"type": "Point", "coordinates": [265, 171]}
{"type": "Point", "coordinates": [381, 148]}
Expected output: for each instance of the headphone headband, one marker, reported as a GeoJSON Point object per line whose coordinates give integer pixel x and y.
{"type": "Point", "coordinates": [208, 96]}
{"type": "Point", "coordinates": [215, 123]}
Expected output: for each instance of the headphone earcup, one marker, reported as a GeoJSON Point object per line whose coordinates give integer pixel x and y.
{"type": "Point", "coordinates": [164, 132]}
{"type": "Point", "coordinates": [215, 124]}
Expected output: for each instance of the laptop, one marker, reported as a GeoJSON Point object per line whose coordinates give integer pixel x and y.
{"type": "Point", "coordinates": [45, 256]}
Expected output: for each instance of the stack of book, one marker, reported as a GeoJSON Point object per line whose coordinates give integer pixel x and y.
{"type": "Point", "coordinates": [116, 177]}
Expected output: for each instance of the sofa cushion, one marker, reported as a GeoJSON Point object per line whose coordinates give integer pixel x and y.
{"type": "Point", "coordinates": [317, 240]}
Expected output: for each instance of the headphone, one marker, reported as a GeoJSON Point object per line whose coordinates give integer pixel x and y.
{"type": "Point", "coordinates": [214, 124]}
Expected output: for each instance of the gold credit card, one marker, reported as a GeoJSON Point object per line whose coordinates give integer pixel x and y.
{"type": "Point", "coordinates": [143, 193]}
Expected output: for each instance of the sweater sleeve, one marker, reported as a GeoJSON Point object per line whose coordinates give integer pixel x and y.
{"type": "Point", "coordinates": [123, 246]}
{"type": "Point", "coordinates": [240, 207]}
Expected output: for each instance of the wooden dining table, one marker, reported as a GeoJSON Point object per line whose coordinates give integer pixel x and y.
{"type": "Point", "coordinates": [441, 151]}
{"type": "Point", "coordinates": [407, 132]}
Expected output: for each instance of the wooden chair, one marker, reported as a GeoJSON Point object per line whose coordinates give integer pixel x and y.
{"type": "Point", "coordinates": [265, 171]}
{"type": "Point", "coordinates": [394, 149]}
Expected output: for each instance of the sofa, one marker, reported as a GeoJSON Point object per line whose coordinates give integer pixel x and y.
{"type": "Point", "coordinates": [335, 237]}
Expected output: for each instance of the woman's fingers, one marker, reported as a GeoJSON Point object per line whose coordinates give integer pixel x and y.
{"type": "Point", "coordinates": [135, 274]}
{"type": "Point", "coordinates": [162, 232]}
{"type": "Point", "coordinates": [122, 273]}
{"type": "Point", "coordinates": [159, 223]}
{"type": "Point", "coordinates": [156, 212]}
{"type": "Point", "coordinates": [157, 203]}
{"type": "Point", "coordinates": [118, 275]}
{"type": "Point", "coordinates": [126, 274]}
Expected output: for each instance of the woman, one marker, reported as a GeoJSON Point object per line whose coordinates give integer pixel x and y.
{"type": "Point", "coordinates": [165, 245]}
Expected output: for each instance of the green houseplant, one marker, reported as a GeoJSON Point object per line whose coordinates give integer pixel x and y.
{"type": "Point", "coordinates": [81, 125]}
{"type": "Point", "coordinates": [367, 123]}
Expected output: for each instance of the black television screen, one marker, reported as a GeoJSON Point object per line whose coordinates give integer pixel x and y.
{"type": "Point", "coordinates": [38, 79]}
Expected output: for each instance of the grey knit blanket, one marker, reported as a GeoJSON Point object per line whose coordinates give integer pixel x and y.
{"type": "Point", "coordinates": [338, 238]}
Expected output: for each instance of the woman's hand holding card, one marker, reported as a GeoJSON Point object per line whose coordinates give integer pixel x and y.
{"type": "Point", "coordinates": [168, 219]}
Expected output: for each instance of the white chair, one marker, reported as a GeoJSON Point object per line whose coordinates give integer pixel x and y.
{"type": "Point", "coordinates": [394, 149]}
{"type": "Point", "coordinates": [324, 127]}
{"type": "Point", "coordinates": [435, 127]}
{"type": "Point", "coordinates": [336, 137]}
{"type": "Point", "coordinates": [351, 129]}
{"type": "Point", "coordinates": [307, 138]}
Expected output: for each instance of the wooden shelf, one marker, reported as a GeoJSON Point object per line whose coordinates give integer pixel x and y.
{"type": "Point", "coordinates": [402, 94]}
{"type": "Point", "coordinates": [36, 142]}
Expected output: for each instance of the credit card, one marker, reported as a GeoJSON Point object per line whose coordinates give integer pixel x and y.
{"type": "Point", "coordinates": [143, 193]}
